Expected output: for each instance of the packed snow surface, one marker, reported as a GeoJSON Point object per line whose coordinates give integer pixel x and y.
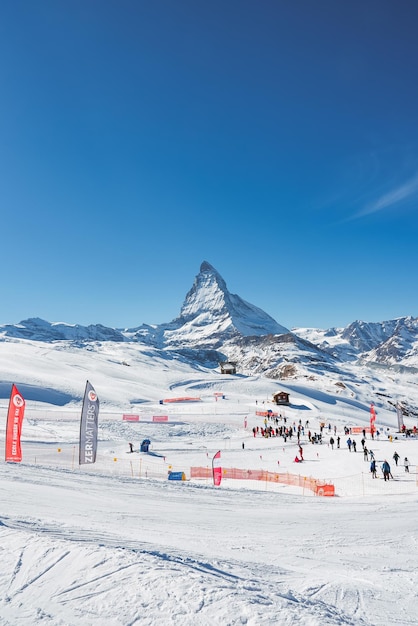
{"type": "Point", "coordinates": [117, 543]}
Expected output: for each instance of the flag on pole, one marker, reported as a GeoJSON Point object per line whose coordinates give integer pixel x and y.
{"type": "Point", "coordinates": [399, 414]}
{"type": "Point", "coordinates": [14, 426]}
{"type": "Point", "coordinates": [89, 426]}
{"type": "Point", "coordinates": [372, 418]}
{"type": "Point", "coordinates": [217, 469]}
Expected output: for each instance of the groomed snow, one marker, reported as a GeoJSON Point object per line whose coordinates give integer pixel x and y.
{"type": "Point", "coordinates": [118, 544]}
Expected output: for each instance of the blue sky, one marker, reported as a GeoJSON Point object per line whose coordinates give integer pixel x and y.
{"type": "Point", "coordinates": [277, 140]}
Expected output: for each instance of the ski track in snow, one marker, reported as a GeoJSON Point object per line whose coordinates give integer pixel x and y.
{"type": "Point", "coordinates": [86, 548]}
{"type": "Point", "coordinates": [253, 596]}
{"type": "Point", "coordinates": [123, 578]}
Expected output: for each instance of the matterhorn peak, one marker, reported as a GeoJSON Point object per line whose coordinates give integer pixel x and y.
{"type": "Point", "coordinates": [211, 312]}
{"type": "Point", "coordinates": [208, 295]}
{"type": "Point", "coordinates": [207, 267]}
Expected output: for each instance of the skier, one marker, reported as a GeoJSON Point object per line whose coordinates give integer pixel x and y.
{"type": "Point", "coordinates": [131, 447]}
{"type": "Point", "coordinates": [349, 442]}
{"type": "Point", "coordinates": [386, 470]}
{"type": "Point", "coordinates": [366, 453]}
{"type": "Point", "coordinates": [373, 468]}
{"type": "Point", "coordinates": [396, 457]}
{"type": "Point", "coordinates": [331, 441]}
{"type": "Point", "coordinates": [406, 465]}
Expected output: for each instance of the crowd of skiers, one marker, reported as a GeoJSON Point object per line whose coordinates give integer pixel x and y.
{"type": "Point", "coordinates": [297, 430]}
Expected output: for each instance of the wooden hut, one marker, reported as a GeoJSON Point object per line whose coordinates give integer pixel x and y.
{"type": "Point", "coordinates": [281, 397]}
{"type": "Point", "coordinates": [228, 368]}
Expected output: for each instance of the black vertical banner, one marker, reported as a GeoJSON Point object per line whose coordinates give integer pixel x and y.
{"type": "Point", "coordinates": [89, 426]}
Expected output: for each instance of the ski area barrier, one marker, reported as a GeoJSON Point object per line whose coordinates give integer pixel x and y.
{"type": "Point", "coordinates": [176, 476]}
{"type": "Point", "coordinates": [356, 430]}
{"type": "Point", "coordinates": [318, 487]}
{"type": "Point", "coordinates": [267, 414]}
{"type": "Point", "coordinates": [160, 418]}
{"type": "Point", "coordinates": [185, 399]}
{"type": "Point", "coordinates": [130, 418]}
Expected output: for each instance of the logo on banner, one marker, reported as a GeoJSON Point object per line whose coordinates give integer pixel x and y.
{"type": "Point", "coordinates": [18, 401]}
{"type": "Point", "coordinates": [92, 396]}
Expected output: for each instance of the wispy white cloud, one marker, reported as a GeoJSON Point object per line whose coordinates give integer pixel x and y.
{"type": "Point", "coordinates": [391, 198]}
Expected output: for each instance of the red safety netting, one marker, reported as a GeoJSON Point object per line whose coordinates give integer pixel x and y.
{"type": "Point", "coordinates": [185, 399]}
{"type": "Point", "coordinates": [317, 486]}
{"type": "Point", "coordinates": [359, 429]}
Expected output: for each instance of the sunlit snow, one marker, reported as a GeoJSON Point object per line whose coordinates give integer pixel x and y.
{"type": "Point", "coordinates": [116, 543]}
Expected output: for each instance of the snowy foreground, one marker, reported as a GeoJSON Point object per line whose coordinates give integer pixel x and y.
{"type": "Point", "coordinates": [118, 544]}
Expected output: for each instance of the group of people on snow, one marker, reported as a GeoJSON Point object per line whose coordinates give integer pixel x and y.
{"type": "Point", "coordinates": [287, 431]}
{"type": "Point", "coordinates": [387, 474]}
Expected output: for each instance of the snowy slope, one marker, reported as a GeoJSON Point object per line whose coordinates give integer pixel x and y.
{"type": "Point", "coordinates": [117, 543]}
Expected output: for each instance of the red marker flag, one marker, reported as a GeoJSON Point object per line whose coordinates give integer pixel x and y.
{"type": "Point", "coordinates": [217, 469]}
{"type": "Point", "coordinates": [14, 426]}
{"type": "Point", "coordinates": [372, 418]}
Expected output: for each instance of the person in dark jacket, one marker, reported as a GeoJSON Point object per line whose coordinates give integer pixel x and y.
{"type": "Point", "coordinates": [386, 470]}
{"type": "Point", "coordinates": [396, 457]}
{"type": "Point", "coordinates": [373, 468]}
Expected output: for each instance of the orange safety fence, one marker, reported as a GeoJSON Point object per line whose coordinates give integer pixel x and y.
{"type": "Point", "coordinates": [317, 486]}
{"type": "Point", "coordinates": [359, 429]}
{"type": "Point", "coordinates": [266, 413]}
{"type": "Point", "coordinates": [186, 399]}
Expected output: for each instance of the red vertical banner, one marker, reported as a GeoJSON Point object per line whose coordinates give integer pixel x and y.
{"type": "Point", "coordinates": [217, 469]}
{"type": "Point", "coordinates": [14, 426]}
{"type": "Point", "coordinates": [372, 418]}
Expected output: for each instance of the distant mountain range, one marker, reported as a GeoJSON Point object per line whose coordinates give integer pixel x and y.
{"type": "Point", "coordinates": [215, 325]}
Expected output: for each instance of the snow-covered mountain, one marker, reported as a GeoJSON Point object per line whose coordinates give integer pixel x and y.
{"type": "Point", "coordinates": [211, 314]}
{"type": "Point", "coordinates": [38, 329]}
{"type": "Point", "coordinates": [209, 317]}
{"type": "Point", "coordinates": [215, 325]}
{"type": "Point", "coordinates": [392, 343]}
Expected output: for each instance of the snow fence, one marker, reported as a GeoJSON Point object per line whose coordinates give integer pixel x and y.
{"type": "Point", "coordinates": [319, 487]}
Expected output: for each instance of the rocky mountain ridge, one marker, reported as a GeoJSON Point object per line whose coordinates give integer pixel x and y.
{"type": "Point", "coordinates": [215, 325]}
